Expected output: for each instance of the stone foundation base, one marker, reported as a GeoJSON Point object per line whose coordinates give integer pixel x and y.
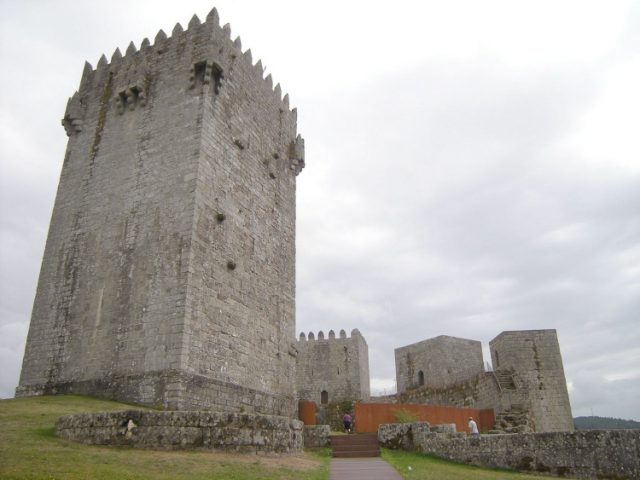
{"type": "Point", "coordinates": [171, 390]}
{"type": "Point", "coordinates": [244, 433]}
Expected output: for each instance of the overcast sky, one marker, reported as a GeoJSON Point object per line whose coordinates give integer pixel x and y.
{"type": "Point", "coordinates": [472, 167]}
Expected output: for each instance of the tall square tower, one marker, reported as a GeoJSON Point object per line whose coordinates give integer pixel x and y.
{"type": "Point", "coordinates": [169, 271]}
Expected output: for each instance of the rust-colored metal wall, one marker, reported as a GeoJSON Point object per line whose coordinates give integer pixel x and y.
{"type": "Point", "coordinates": [368, 416]}
{"type": "Point", "coordinates": [307, 412]}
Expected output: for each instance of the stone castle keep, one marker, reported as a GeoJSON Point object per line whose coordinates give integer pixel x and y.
{"type": "Point", "coordinates": [168, 277]}
{"type": "Point", "coordinates": [169, 271]}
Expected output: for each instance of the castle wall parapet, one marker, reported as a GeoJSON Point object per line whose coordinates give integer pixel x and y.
{"type": "Point", "coordinates": [331, 335]}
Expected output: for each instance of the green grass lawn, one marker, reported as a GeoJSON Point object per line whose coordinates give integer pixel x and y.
{"type": "Point", "coordinates": [30, 450]}
{"type": "Point", "coordinates": [416, 466]}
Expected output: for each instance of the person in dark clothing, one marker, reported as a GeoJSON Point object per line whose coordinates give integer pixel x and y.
{"type": "Point", "coordinates": [347, 421]}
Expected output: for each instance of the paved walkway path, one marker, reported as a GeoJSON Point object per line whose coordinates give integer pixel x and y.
{"type": "Point", "coordinates": [361, 469]}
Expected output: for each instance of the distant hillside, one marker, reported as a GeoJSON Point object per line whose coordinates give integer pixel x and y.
{"type": "Point", "coordinates": [604, 423]}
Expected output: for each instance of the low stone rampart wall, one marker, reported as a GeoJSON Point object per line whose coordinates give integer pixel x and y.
{"type": "Point", "coordinates": [596, 454]}
{"type": "Point", "coordinates": [401, 436]}
{"type": "Point", "coordinates": [316, 436]}
{"type": "Point", "coordinates": [231, 432]}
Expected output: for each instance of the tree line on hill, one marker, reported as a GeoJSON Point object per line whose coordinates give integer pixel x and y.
{"type": "Point", "coordinates": [604, 423]}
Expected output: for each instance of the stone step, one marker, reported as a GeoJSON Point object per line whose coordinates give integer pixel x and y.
{"type": "Point", "coordinates": [356, 454]}
{"type": "Point", "coordinates": [353, 446]}
{"type": "Point", "coordinates": [356, 439]}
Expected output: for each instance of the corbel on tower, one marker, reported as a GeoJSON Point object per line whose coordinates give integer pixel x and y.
{"type": "Point", "coordinates": [73, 120]}
{"type": "Point", "coordinates": [131, 94]}
{"type": "Point", "coordinates": [296, 155]}
{"type": "Point", "coordinates": [131, 97]}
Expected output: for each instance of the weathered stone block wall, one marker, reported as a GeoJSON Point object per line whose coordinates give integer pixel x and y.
{"type": "Point", "coordinates": [535, 360]}
{"type": "Point", "coordinates": [184, 430]}
{"type": "Point", "coordinates": [591, 454]}
{"type": "Point", "coordinates": [438, 362]}
{"type": "Point", "coordinates": [483, 391]}
{"type": "Point", "coordinates": [338, 366]}
{"type": "Point", "coordinates": [401, 436]}
{"type": "Point", "coordinates": [478, 392]}
{"type": "Point", "coordinates": [317, 436]}
{"type": "Point", "coordinates": [168, 275]}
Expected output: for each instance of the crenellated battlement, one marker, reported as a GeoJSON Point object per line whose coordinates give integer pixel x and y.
{"type": "Point", "coordinates": [355, 333]}
{"type": "Point", "coordinates": [210, 63]}
{"type": "Point", "coordinates": [210, 36]}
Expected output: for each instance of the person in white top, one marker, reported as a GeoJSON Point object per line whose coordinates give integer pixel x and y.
{"type": "Point", "coordinates": [473, 428]}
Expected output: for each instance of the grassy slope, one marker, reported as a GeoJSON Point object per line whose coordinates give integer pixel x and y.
{"type": "Point", "coordinates": [30, 450]}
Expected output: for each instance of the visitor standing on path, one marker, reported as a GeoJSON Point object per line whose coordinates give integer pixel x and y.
{"type": "Point", "coordinates": [473, 428]}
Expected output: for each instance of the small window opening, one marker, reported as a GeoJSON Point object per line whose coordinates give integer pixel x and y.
{"type": "Point", "coordinates": [420, 378]}
{"type": "Point", "coordinates": [324, 397]}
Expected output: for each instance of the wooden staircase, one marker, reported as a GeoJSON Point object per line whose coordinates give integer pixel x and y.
{"type": "Point", "coordinates": [355, 445]}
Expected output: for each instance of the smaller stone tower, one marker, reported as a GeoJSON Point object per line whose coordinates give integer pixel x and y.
{"type": "Point", "coordinates": [333, 369]}
{"type": "Point", "coordinates": [438, 362]}
{"type": "Point", "coordinates": [533, 359]}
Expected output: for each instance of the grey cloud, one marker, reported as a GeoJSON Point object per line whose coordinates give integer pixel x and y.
{"type": "Point", "coordinates": [481, 222]}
